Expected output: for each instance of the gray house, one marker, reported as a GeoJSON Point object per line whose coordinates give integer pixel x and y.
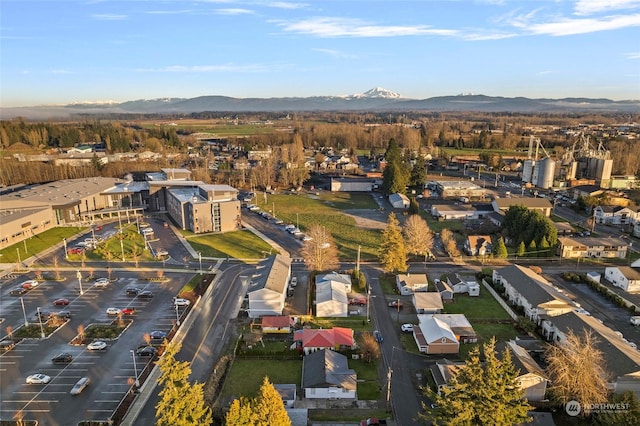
{"type": "Point", "coordinates": [326, 375]}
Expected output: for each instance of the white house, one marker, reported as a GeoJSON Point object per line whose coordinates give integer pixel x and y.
{"type": "Point", "coordinates": [268, 287]}
{"type": "Point", "coordinates": [326, 375]}
{"type": "Point", "coordinates": [331, 299]}
{"type": "Point", "coordinates": [427, 302]}
{"type": "Point", "coordinates": [525, 288]}
{"type": "Point", "coordinates": [532, 378]}
{"type": "Point", "coordinates": [344, 279]}
{"type": "Point", "coordinates": [615, 215]}
{"type": "Point", "coordinates": [434, 336]}
{"type": "Point", "coordinates": [592, 247]}
{"type": "Point", "coordinates": [410, 283]}
{"type": "Point", "coordinates": [399, 201]}
{"type": "Point", "coordinates": [625, 277]}
{"type": "Point", "coordinates": [460, 285]}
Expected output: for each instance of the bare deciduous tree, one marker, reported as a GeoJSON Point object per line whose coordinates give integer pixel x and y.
{"type": "Point", "coordinates": [576, 369]}
{"type": "Point", "coordinates": [369, 348]}
{"type": "Point", "coordinates": [417, 235]}
{"type": "Point", "coordinates": [320, 253]}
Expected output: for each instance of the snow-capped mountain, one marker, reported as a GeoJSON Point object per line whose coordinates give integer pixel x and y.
{"type": "Point", "coordinates": [378, 92]}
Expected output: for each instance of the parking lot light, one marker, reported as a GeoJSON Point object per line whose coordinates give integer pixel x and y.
{"type": "Point", "coordinates": [177, 316]}
{"type": "Point", "coordinates": [40, 320]}
{"type": "Point", "coordinates": [24, 313]}
{"type": "Point", "coordinates": [79, 276]}
{"type": "Point", "coordinates": [135, 368]}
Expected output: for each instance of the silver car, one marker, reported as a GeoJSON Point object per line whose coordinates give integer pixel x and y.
{"type": "Point", "coordinates": [80, 385]}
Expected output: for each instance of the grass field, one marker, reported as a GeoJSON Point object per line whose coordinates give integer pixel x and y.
{"type": "Point", "coordinates": [247, 375]}
{"type": "Point", "coordinates": [483, 307]}
{"type": "Point", "coordinates": [37, 244]}
{"type": "Point", "coordinates": [236, 244]}
{"type": "Point", "coordinates": [325, 209]}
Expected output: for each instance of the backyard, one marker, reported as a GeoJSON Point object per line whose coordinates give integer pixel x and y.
{"type": "Point", "coordinates": [328, 209]}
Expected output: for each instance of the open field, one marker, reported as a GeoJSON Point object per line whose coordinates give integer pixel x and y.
{"type": "Point", "coordinates": [236, 244]}
{"type": "Point", "coordinates": [483, 307]}
{"type": "Point", "coordinates": [37, 244]}
{"type": "Point", "coordinates": [247, 375]}
{"type": "Point", "coordinates": [326, 209]}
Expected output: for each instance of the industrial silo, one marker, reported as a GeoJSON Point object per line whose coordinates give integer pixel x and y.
{"type": "Point", "coordinates": [546, 171]}
{"type": "Point", "coordinates": [527, 170]}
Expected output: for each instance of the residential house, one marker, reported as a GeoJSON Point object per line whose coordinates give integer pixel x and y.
{"type": "Point", "coordinates": [460, 285]}
{"type": "Point", "coordinates": [326, 375]}
{"type": "Point", "coordinates": [635, 227]}
{"type": "Point", "coordinates": [446, 292]}
{"type": "Point", "coordinates": [277, 324]}
{"type": "Point", "coordinates": [344, 279]}
{"type": "Point", "coordinates": [533, 293]}
{"type": "Point", "coordinates": [427, 302]}
{"type": "Point", "coordinates": [543, 205]}
{"type": "Point", "coordinates": [531, 377]}
{"type": "Point", "coordinates": [625, 277]}
{"type": "Point", "coordinates": [352, 185]}
{"type": "Point", "coordinates": [586, 191]}
{"type": "Point", "coordinates": [268, 287]}
{"type": "Point", "coordinates": [310, 340]}
{"type": "Point", "coordinates": [459, 325]}
{"type": "Point", "coordinates": [623, 361]}
{"type": "Point", "coordinates": [410, 283]}
{"type": "Point", "coordinates": [594, 247]}
{"type": "Point", "coordinates": [434, 336]}
{"type": "Point", "coordinates": [288, 393]}
{"type": "Point", "coordinates": [452, 211]}
{"type": "Point", "coordinates": [331, 299]}
{"type": "Point", "coordinates": [478, 245]}
{"type": "Point", "coordinates": [399, 201]}
{"type": "Point", "coordinates": [615, 215]}
{"type": "Point", "coordinates": [443, 371]}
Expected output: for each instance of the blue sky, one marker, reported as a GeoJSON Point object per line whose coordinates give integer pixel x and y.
{"type": "Point", "coordinates": [58, 52]}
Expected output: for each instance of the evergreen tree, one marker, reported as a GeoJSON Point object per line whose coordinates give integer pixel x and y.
{"type": "Point", "coordinates": [419, 174]}
{"type": "Point", "coordinates": [393, 253]}
{"type": "Point", "coordinates": [239, 413]}
{"type": "Point", "coordinates": [521, 250]}
{"type": "Point", "coordinates": [181, 404]}
{"type": "Point", "coordinates": [481, 393]}
{"type": "Point", "coordinates": [500, 249]}
{"type": "Point", "coordinates": [544, 247]}
{"type": "Point", "coordinates": [414, 207]}
{"type": "Point", "coordinates": [266, 409]}
{"type": "Point", "coordinates": [532, 250]}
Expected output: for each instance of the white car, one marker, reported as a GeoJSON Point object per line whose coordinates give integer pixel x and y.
{"type": "Point", "coordinates": [406, 328]}
{"type": "Point", "coordinates": [114, 311]}
{"type": "Point", "coordinates": [102, 282]}
{"type": "Point", "coordinates": [38, 379]}
{"type": "Point", "coordinates": [98, 345]}
{"type": "Point", "coordinates": [181, 302]}
{"type": "Point", "coordinates": [29, 284]}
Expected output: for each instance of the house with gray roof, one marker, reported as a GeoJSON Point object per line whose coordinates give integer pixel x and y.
{"type": "Point", "coordinates": [268, 286]}
{"type": "Point", "coordinates": [541, 204]}
{"type": "Point", "coordinates": [525, 288]}
{"type": "Point", "coordinates": [625, 277]}
{"type": "Point", "coordinates": [594, 247]}
{"type": "Point", "coordinates": [326, 375]}
{"type": "Point", "coordinates": [531, 377]}
{"type": "Point", "coordinates": [622, 360]}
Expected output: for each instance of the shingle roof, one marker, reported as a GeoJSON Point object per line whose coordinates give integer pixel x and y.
{"type": "Point", "coordinates": [326, 368]}
{"type": "Point", "coordinates": [505, 203]}
{"type": "Point", "coordinates": [272, 274]}
{"type": "Point", "coordinates": [526, 282]}
{"type": "Point", "coordinates": [324, 338]}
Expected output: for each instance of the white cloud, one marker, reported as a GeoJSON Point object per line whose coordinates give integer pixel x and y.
{"type": "Point", "coordinates": [567, 26]}
{"type": "Point", "coordinates": [589, 7]}
{"type": "Point", "coordinates": [633, 55]}
{"type": "Point", "coordinates": [169, 12]}
{"type": "Point", "coordinates": [335, 53]}
{"type": "Point", "coordinates": [286, 5]}
{"type": "Point", "coordinates": [327, 27]}
{"type": "Point", "coordinates": [108, 17]}
{"type": "Point", "coordinates": [234, 11]}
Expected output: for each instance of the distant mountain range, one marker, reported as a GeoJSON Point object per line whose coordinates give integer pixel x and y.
{"type": "Point", "coordinates": [376, 99]}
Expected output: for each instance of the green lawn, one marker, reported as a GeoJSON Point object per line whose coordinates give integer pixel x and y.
{"type": "Point", "coordinates": [236, 244]}
{"type": "Point", "coordinates": [482, 307]}
{"type": "Point", "coordinates": [247, 375]}
{"type": "Point", "coordinates": [133, 245]}
{"type": "Point", "coordinates": [325, 209]}
{"type": "Point", "coordinates": [37, 244]}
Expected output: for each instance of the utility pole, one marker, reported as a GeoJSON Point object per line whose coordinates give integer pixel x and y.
{"type": "Point", "coordinates": [358, 260]}
{"type": "Point", "coordinates": [389, 372]}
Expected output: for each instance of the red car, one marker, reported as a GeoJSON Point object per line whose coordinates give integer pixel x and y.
{"type": "Point", "coordinates": [358, 301]}
{"type": "Point", "coordinates": [395, 304]}
{"type": "Point", "coordinates": [128, 311]}
{"type": "Point", "coordinates": [61, 302]}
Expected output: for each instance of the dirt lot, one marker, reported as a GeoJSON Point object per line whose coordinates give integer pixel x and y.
{"type": "Point", "coordinates": [370, 219]}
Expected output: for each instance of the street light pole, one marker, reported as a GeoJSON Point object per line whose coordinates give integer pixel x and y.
{"type": "Point", "coordinates": [18, 251]}
{"type": "Point", "coordinates": [40, 320]}
{"type": "Point", "coordinates": [135, 367]}
{"type": "Point", "coordinates": [368, 301]}
{"type": "Point", "coordinates": [122, 248]}
{"type": "Point", "coordinates": [66, 253]}
{"type": "Point", "coordinates": [79, 276]}
{"type": "Point", "coordinates": [24, 313]}
{"type": "Point", "coordinates": [200, 260]}
{"type": "Point", "coordinates": [177, 316]}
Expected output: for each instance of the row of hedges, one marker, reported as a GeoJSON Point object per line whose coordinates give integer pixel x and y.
{"type": "Point", "coordinates": [581, 278]}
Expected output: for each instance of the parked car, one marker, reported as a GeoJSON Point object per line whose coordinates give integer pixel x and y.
{"type": "Point", "coordinates": [42, 315]}
{"type": "Point", "coordinates": [358, 301]}
{"type": "Point", "coordinates": [181, 302]}
{"type": "Point", "coordinates": [378, 336]}
{"type": "Point", "coordinates": [76, 250]}
{"type": "Point", "coordinates": [98, 345]}
{"type": "Point", "coordinates": [157, 335]}
{"type": "Point", "coordinates": [63, 358]}
{"type": "Point", "coordinates": [132, 291]}
{"type": "Point", "coordinates": [62, 314]}
{"type": "Point", "coordinates": [102, 282]}
{"type": "Point", "coordinates": [61, 302]}
{"type": "Point", "coordinates": [406, 328]}
{"type": "Point", "coordinates": [29, 284]}
{"type": "Point", "coordinates": [395, 304]}
{"type": "Point", "coordinates": [635, 320]}
{"type": "Point", "coordinates": [147, 351]}
{"type": "Point", "coordinates": [161, 252]}
{"type": "Point", "coordinates": [372, 421]}
{"type": "Point", "coordinates": [6, 345]}
{"type": "Point", "coordinates": [38, 379]}
{"type": "Point", "coordinates": [114, 311]}
{"type": "Point", "coordinates": [18, 291]}
{"type": "Point", "coordinates": [146, 294]}
{"type": "Point", "coordinates": [165, 224]}
{"type": "Point", "coordinates": [80, 386]}
{"type": "Point", "coordinates": [128, 311]}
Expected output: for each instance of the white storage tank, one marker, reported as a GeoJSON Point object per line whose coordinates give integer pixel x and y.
{"type": "Point", "coordinates": [527, 170]}
{"type": "Point", "coordinates": [546, 171]}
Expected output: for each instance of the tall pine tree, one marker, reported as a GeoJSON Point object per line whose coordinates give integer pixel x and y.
{"type": "Point", "coordinates": [393, 253]}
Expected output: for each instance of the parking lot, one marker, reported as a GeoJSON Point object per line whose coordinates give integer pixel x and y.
{"type": "Point", "coordinates": [112, 371]}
